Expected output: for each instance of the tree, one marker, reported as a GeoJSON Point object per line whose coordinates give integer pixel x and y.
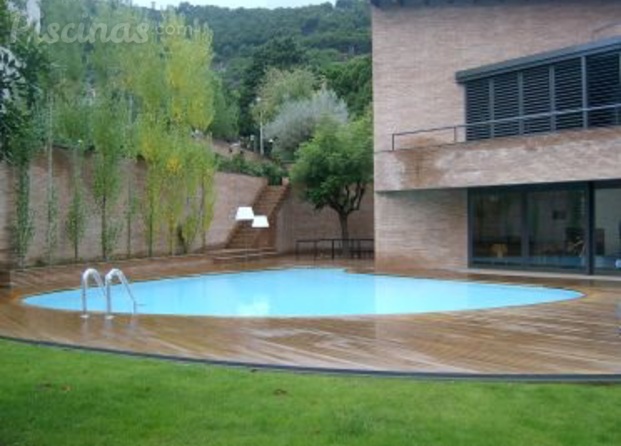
{"type": "Point", "coordinates": [174, 88]}
{"type": "Point", "coordinates": [75, 224]}
{"type": "Point", "coordinates": [297, 121]}
{"type": "Point", "coordinates": [331, 32]}
{"type": "Point", "coordinates": [281, 86]}
{"type": "Point", "coordinates": [334, 168]}
{"type": "Point", "coordinates": [22, 65]}
{"type": "Point", "coordinates": [226, 112]}
{"type": "Point", "coordinates": [353, 82]}
{"type": "Point", "coordinates": [278, 53]}
{"type": "Point", "coordinates": [72, 127]}
{"type": "Point", "coordinates": [109, 120]}
{"type": "Point", "coordinates": [123, 109]}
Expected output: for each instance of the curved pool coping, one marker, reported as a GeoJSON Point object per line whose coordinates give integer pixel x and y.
{"type": "Point", "coordinates": [577, 378]}
{"type": "Point", "coordinates": [580, 295]}
{"type": "Point", "coordinates": [440, 324]}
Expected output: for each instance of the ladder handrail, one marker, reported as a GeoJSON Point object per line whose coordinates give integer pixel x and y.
{"type": "Point", "coordinates": [88, 273]}
{"type": "Point", "coordinates": [115, 272]}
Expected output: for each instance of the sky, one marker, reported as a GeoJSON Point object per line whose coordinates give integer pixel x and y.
{"type": "Point", "coordinates": [237, 3]}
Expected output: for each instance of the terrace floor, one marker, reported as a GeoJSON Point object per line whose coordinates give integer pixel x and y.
{"type": "Point", "coordinates": [573, 337]}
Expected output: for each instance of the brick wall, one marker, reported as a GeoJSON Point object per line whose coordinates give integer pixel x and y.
{"type": "Point", "coordinates": [231, 191]}
{"type": "Point", "coordinates": [421, 229]}
{"type": "Point", "coordinates": [299, 220]}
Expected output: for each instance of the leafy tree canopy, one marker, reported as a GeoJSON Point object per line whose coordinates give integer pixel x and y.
{"type": "Point", "coordinates": [340, 30]}
{"type": "Point", "coordinates": [278, 53]}
{"type": "Point", "coordinates": [353, 82]}
{"type": "Point", "coordinates": [296, 121]}
{"type": "Point", "coordinates": [22, 68]}
{"type": "Point", "coordinates": [335, 167]}
{"type": "Point", "coordinates": [281, 86]}
{"type": "Point", "coordinates": [247, 42]}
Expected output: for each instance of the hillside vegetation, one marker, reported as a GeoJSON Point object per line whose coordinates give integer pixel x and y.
{"type": "Point", "coordinates": [332, 41]}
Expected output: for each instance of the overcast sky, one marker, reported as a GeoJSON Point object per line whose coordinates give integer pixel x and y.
{"type": "Point", "coordinates": [238, 3]}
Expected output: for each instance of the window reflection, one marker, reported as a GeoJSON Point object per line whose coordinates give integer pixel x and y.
{"type": "Point", "coordinates": [608, 230]}
{"type": "Point", "coordinates": [497, 228]}
{"type": "Point", "coordinates": [534, 228]}
{"type": "Point", "coordinates": [557, 228]}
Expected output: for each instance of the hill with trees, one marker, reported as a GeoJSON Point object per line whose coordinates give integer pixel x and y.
{"type": "Point", "coordinates": [332, 41]}
{"type": "Point", "coordinates": [326, 33]}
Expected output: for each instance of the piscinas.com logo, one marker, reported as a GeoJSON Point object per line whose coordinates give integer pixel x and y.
{"type": "Point", "coordinates": [123, 32]}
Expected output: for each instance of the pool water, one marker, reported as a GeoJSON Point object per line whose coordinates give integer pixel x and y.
{"type": "Point", "coordinates": [303, 293]}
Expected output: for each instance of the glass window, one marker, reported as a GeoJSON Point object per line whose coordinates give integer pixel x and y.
{"type": "Point", "coordinates": [557, 229]}
{"type": "Point", "coordinates": [542, 89]}
{"type": "Point", "coordinates": [607, 238]}
{"type": "Point", "coordinates": [497, 228]}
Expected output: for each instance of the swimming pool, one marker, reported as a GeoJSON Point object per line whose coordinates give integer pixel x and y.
{"type": "Point", "coordinates": [304, 292]}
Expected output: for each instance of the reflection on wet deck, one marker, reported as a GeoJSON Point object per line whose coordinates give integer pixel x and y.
{"type": "Point", "coordinates": [579, 336]}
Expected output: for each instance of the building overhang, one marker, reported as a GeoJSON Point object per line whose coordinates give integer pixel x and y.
{"type": "Point", "coordinates": [599, 46]}
{"type": "Point", "coordinates": [572, 155]}
{"type": "Point", "coordinates": [380, 3]}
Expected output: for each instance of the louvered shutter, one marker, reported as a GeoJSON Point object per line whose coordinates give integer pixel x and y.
{"type": "Point", "coordinates": [537, 98]}
{"type": "Point", "coordinates": [568, 93]}
{"type": "Point", "coordinates": [603, 88]}
{"type": "Point", "coordinates": [478, 109]}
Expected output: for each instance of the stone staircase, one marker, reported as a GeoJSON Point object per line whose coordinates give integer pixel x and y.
{"type": "Point", "coordinates": [246, 242]}
{"type": "Point", "coordinates": [241, 255]}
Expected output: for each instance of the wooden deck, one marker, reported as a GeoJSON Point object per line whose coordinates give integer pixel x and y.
{"type": "Point", "coordinates": [572, 337]}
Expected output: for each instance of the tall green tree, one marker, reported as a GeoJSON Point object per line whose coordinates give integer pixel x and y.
{"type": "Point", "coordinates": [296, 121]}
{"type": "Point", "coordinates": [335, 168]}
{"type": "Point", "coordinates": [282, 54]}
{"type": "Point", "coordinates": [353, 82]}
{"type": "Point", "coordinates": [145, 98]}
{"type": "Point", "coordinates": [281, 86]}
{"type": "Point", "coordinates": [109, 136]}
{"type": "Point", "coordinates": [72, 128]}
{"type": "Point", "coordinates": [92, 110]}
{"type": "Point", "coordinates": [325, 32]}
{"type": "Point", "coordinates": [22, 77]}
{"type": "Point", "coordinates": [226, 112]}
{"type": "Point", "coordinates": [174, 91]}
{"type": "Point", "coordinates": [51, 199]}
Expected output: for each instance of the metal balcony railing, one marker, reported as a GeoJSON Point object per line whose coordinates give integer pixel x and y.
{"type": "Point", "coordinates": [533, 124]}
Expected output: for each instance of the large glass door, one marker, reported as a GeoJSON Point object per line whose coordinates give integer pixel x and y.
{"type": "Point", "coordinates": [557, 229]}
{"type": "Point", "coordinates": [497, 231]}
{"type": "Point", "coordinates": [534, 227]}
{"type": "Point", "coordinates": [607, 237]}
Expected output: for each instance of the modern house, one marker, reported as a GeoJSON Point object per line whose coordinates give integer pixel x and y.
{"type": "Point", "coordinates": [497, 134]}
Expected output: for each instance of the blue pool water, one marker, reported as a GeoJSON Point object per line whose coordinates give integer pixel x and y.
{"type": "Point", "coordinates": [304, 292]}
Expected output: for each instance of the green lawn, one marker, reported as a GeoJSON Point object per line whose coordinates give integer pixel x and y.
{"type": "Point", "coordinates": [63, 398]}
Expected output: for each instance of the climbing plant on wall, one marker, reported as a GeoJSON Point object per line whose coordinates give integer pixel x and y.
{"type": "Point", "coordinates": [153, 110]}
{"type": "Point", "coordinates": [175, 93]}
{"type": "Point", "coordinates": [22, 68]}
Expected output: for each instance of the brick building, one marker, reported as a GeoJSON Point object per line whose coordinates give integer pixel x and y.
{"type": "Point", "coordinates": [497, 137]}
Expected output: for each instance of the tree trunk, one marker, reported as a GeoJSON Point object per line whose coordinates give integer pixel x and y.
{"type": "Point", "coordinates": [150, 236]}
{"type": "Point", "coordinates": [76, 253]}
{"type": "Point", "coordinates": [104, 229]}
{"type": "Point", "coordinates": [24, 222]}
{"type": "Point", "coordinates": [345, 234]}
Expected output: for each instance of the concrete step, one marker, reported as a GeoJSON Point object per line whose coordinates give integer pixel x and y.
{"type": "Point", "coordinates": [242, 255]}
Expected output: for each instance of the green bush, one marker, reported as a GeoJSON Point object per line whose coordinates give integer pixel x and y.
{"type": "Point", "coordinates": [239, 164]}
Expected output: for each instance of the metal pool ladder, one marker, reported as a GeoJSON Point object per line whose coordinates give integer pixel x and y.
{"type": "Point", "coordinates": [86, 275]}
{"type": "Point", "coordinates": [105, 288]}
{"type": "Point", "coordinates": [117, 273]}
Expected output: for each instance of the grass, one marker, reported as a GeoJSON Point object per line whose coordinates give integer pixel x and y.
{"type": "Point", "coordinates": [57, 397]}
